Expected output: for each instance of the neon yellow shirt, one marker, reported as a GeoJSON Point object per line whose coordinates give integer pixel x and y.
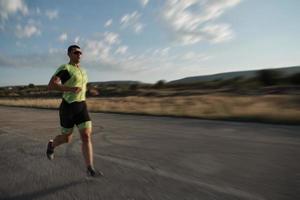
{"type": "Point", "coordinates": [73, 76]}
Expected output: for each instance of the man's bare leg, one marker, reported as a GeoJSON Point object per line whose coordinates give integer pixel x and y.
{"type": "Point", "coordinates": [87, 151]}
{"type": "Point", "coordinates": [61, 139]}
{"type": "Point", "coordinates": [87, 147]}
{"type": "Point", "coordinates": [58, 140]}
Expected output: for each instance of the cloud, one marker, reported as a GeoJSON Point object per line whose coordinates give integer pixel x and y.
{"type": "Point", "coordinates": [217, 33]}
{"type": "Point", "coordinates": [28, 30]}
{"type": "Point", "coordinates": [11, 7]}
{"type": "Point", "coordinates": [52, 58]}
{"type": "Point", "coordinates": [108, 23]}
{"type": "Point", "coordinates": [95, 50]}
{"type": "Point", "coordinates": [192, 21]}
{"type": "Point", "coordinates": [132, 21]}
{"type": "Point", "coordinates": [103, 49]}
{"type": "Point", "coordinates": [144, 2]}
{"type": "Point", "coordinates": [138, 28]}
{"type": "Point", "coordinates": [193, 56]}
{"type": "Point", "coordinates": [55, 51]}
{"type": "Point", "coordinates": [63, 37]}
{"type": "Point", "coordinates": [106, 53]}
{"type": "Point", "coordinates": [76, 40]}
{"type": "Point", "coordinates": [111, 38]}
{"type": "Point", "coordinates": [52, 14]}
{"type": "Point", "coordinates": [100, 56]}
{"type": "Point", "coordinates": [161, 52]}
{"type": "Point", "coordinates": [121, 50]}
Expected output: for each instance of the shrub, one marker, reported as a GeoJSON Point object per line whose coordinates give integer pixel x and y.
{"type": "Point", "coordinates": [134, 87]}
{"type": "Point", "coordinates": [159, 84]}
{"type": "Point", "coordinates": [295, 79]}
{"type": "Point", "coordinates": [268, 77]}
{"type": "Point", "coordinates": [31, 85]}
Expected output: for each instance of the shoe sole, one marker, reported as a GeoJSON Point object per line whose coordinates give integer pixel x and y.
{"type": "Point", "coordinates": [50, 157]}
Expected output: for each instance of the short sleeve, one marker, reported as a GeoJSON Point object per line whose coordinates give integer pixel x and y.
{"type": "Point", "coordinates": [63, 73]}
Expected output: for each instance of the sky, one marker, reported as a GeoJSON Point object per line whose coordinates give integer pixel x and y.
{"type": "Point", "coordinates": [146, 40]}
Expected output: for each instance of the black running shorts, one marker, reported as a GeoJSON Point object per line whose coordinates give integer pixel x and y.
{"type": "Point", "coordinates": [73, 113]}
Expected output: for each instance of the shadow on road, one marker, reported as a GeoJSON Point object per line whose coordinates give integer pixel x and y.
{"type": "Point", "coordinates": [45, 192]}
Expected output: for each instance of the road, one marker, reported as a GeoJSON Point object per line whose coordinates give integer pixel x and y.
{"type": "Point", "coordinates": [147, 157]}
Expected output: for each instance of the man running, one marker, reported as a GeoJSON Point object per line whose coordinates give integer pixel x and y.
{"type": "Point", "coordinates": [72, 80]}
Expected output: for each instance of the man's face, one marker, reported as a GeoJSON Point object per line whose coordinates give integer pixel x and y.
{"type": "Point", "coordinates": [75, 55]}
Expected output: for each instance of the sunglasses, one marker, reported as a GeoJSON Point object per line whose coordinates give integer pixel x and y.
{"type": "Point", "coordinates": [77, 52]}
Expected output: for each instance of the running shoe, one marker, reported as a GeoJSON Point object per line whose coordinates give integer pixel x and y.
{"type": "Point", "coordinates": [50, 150]}
{"type": "Point", "coordinates": [91, 171]}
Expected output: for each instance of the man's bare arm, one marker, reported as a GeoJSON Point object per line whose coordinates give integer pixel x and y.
{"type": "Point", "coordinates": [55, 84]}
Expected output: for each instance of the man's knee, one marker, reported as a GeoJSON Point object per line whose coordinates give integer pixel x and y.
{"type": "Point", "coordinates": [85, 135]}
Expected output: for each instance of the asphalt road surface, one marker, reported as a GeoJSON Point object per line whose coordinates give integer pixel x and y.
{"type": "Point", "coordinates": [146, 157]}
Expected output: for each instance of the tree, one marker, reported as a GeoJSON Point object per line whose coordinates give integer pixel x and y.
{"type": "Point", "coordinates": [134, 86]}
{"type": "Point", "coordinates": [159, 84]}
{"type": "Point", "coordinates": [31, 85]}
{"type": "Point", "coordinates": [295, 79]}
{"type": "Point", "coordinates": [268, 77]}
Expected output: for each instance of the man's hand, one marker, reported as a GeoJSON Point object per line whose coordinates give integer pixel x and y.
{"type": "Point", "coordinates": [55, 84]}
{"type": "Point", "coordinates": [75, 90]}
{"type": "Point", "coordinates": [93, 92]}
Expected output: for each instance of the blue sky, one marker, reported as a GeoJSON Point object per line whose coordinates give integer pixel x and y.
{"type": "Point", "coordinates": [146, 40]}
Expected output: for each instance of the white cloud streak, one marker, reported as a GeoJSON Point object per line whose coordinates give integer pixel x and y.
{"type": "Point", "coordinates": [121, 50]}
{"type": "Point", "coordinates": [193, 56]}
{"type": "Point", "coordinates": [52, 14]}
{"type": "Point", "coordinates": [192, 21]}
{"type": "Point", "coordinates": [63, 37]}
{"type": "Point", "coordinates": [28, 30]}
{"type": "Point", "coordinates": [111, 38]}
{"type": "Point", "coordinates": [11, 7]}
{"type": "Point", "coordinates": [144, 3]}
{"type": "Point", "coordinates": [55, 51]}
{"type": "Point", "coordinates": [161, 52]}
{"type": "Point", "coordinates": [217, 33]}
{"type": "Point", "coordinates": [97, 51]}
{"type": "Point", "coordinates": [76, 40]}
{"type": "Point", "coordinates": [108, 23]}
{"type": "Point", "coordinates": [104, 49]}
{"type": "Point", "coordinates": [132, 21]}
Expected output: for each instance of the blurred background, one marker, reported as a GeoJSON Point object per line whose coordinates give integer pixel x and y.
{"type": "Point", "coordinates": [174, 52]}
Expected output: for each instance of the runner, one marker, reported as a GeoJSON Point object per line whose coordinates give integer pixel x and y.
{"type": "Point", "coordinates": [72, 80]}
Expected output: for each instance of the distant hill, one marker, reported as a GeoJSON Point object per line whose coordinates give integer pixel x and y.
{"type": "Point", "coordinates": [106, 83]}
{"type": "Point", "coordinates": [229, 75]}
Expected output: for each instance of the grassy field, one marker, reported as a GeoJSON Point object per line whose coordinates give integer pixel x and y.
{"type": "Point", "coordinates": [283, 109]}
